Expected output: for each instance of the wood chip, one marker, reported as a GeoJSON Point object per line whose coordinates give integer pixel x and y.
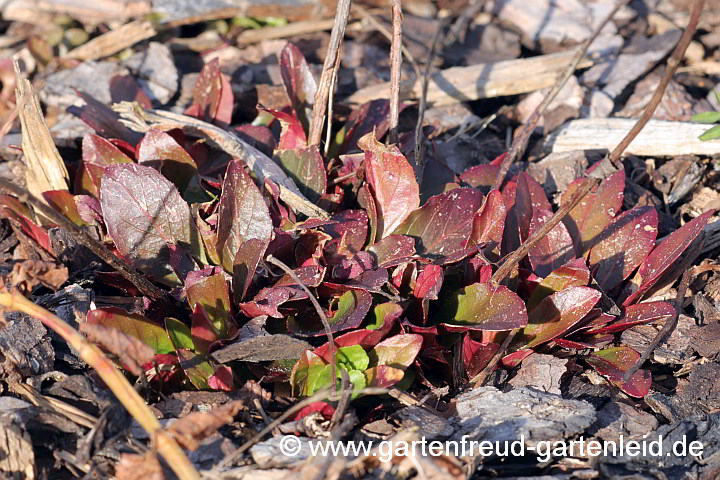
{"type": "Point", "coordinates": [484, 80]}
{"type": "Point", "coordinates": [657, 139]}
{"type": "Point", "coordinates": [486, 413]}
{"type": "Point", "coordinates": [114, 41]}
{"type": "Point", "coordinates": [17, 459]}
{"type": "Point", "coordinates": [617, 419]}
{"type": "Point", "coordinates": [542, 372]}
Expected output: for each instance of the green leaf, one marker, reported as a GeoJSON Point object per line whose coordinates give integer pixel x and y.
{"type": "Point", "coordinates": [356, 377]}
{"type": "Point", "coordinates": [151, 334]}
{"type": "Point", "coordinates": [482, 306]}
{"type": "Point", "coordinates": [381, 312]}
{"type": "Point", "coordinates": [304, 373]}
{"type": "Point", "coordinates": [706, 117]}
{"type": "Point", "coordinates": [352, 358]}
{"type": "Point", "coordinates": [305, 166]}
{"type": "Point", "coordinates": [196, 367]}
{"type": "Point", "coordinates": [712, 134]}
{"type": "Point", "coordinates": [179, 334]}
{"type": "Point", "coordinates": [213, 294]}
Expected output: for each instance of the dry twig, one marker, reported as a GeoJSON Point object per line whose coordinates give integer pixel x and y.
{"type": "Point", "coordinates": [396, 63]}
{"type": "Point", "coordinates": [323, 92]}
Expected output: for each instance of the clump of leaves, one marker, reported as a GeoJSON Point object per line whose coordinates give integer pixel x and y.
{"type": "Point", "coordinates": [401, 281]}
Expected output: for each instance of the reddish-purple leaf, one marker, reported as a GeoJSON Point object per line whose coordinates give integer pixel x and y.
{"type": "Point", "coordinates": [150, 333]}
{"type": "Point", "coordinates": [557, 314]}
{"type": "Point", "coordinates": [258, 136]}
{"type": "Point", "coordinates": [587, 221]}
{"type": "Point", "coordinates": [663, 256]}
{"type": "Point", "coordinates": [476, 355]}
{"type": "Point", "coordinates": [124, 88]}
{"type": "Point", "coordinates": [612, 363]}
{"type": "Point", "coordinates": [305, 166]}
{"type": "Point", "coordinates": [144, 214]}
{"type": "Point", "coordinates": [398, 351]}
{"type": "Point", "coordinates": [213, 294]}
{"type": "Point", "coordinates": [292, 134]}
{"type": "Point", "coordinates": [245, 263]}
{"type": "Point", "coordinates": [103, 120]}
{"type": "Point", "coordinates": [554, 249]}
{"type": "Point", "coordinates": [353, 224]}
{"type": "Point", "coordinates": [352, 308]}
{"type": "Point", "coordinates": [242, 214]}
{"type": "Point", "coordinates": [483, 306]}
{"type": "Point", "coordinates": [529, 198]}
{"type": "Point", "coordinates": [572, 274]}
{"type": "Point", "coordinates": [638, 315]}
{"type": "Point", "coordinates": [310, 275]}
{"type": "Point", "coordinates": [443, 225]}
{"type": "Point", "coordinates": [299, 82]}
{"type": "Point", "coordinates": [222, 379]}
{"type": "Point", "coordinates": [97, 153]}
{"type": "Point", "coordinates": [481, 177]}
{"type": "Point", "coordinates": [212, 96]}
{"type": "Point", "coordinates": [429, 282]}
{"type": "Point", "coordinates": [512, 360]}
{"type": "Point", "coordinates": [202, 330]}
{"type": "Point", "coordinates": [89, 209]}
{"type": "Point", "coordinates": [588, 341]}
{"type": "Point", "coordinates": [368, 117]}
{"type": "Point", "coordinates": [160, 151]}
{"type": "Point", "coordinates": [367, 202]}
{"type": "Point", "coordinates": [489, 222]}
{"type": "Point", "coordinates": [625, 244]}
{"type": "Point", "coordinates": [392, 183]}
{"type": "Point", "coordinates": [64, 202]}
{"type": "Point", "coordinates": [511, 231]}
{"type": "Point", "coordinates": [393, 250]}
{"type": "Point", "coordinates": [268, 300]}
{"type": "Point", "coordinates": [96, 149]}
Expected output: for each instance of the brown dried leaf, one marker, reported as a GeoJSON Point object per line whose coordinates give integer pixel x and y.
{"type": "Point", "coordinates": [190, 430]}
{"type": "Point", "coordinates": [132, 352]}
{"type": "Point", "coordinates": [139, 467]}
{"type": "Point", "coordinates": [29, 273]}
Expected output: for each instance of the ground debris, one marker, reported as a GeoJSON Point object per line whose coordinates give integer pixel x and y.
{"type": "Point", "coordinates": [25, 347]}
{"type": "Point", "coordinates": [489, 414]}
